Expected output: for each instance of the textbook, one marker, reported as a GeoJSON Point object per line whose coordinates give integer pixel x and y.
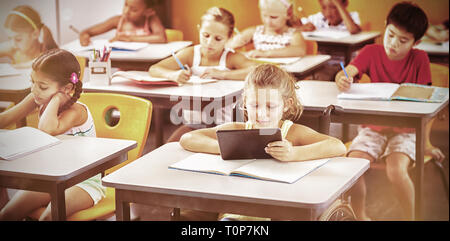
{"type": "Point", "coordinates": [262, 169]}
{"type": "Point", "coordinates": [23, 141]}
{"type": "Point", "coordinates": [142, 77]}
{"type": "Point", "coordinates": [393, 91]}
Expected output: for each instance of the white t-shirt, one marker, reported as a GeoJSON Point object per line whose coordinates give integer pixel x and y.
{"type": "Point", "coordinates": [320, 22]}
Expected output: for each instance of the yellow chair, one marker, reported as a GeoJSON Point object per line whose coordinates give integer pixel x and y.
{"type": "Point", "coordinates": [133, 124]}
{"type": "Point", "coordinates": [440, 78]}
{"type": "Point", "coordinates": [174, 35]}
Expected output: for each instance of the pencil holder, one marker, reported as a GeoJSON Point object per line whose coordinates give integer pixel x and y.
{"type": "Point", "coordinates": [100, 72]}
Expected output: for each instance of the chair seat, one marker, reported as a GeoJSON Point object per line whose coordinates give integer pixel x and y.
{"type": "Point", "coordinates": [104, 209]}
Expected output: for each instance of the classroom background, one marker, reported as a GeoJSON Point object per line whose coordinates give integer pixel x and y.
{"type": "Point", "coordinates": [184, 15]}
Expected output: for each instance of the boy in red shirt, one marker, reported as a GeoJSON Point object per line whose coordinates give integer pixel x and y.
{"type": "Point", "coordinates": [395, 61]}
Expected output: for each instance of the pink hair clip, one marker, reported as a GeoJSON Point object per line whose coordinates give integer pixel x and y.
{"type": "Point", "coordinates": [74, 78]}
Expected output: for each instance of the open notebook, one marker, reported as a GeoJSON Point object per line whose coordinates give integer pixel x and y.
{"type": "Point", "coordinates": [23, 141]}
{"type": "Point", "coordinates": [116, 45]}
{"type": "Point", "coordinates": [142, 77]}
{"type": "Point", "coordinates": [263, 169]}
{"type": "Point", "coordinates": [286, 60]}
{"type": "Point", "coordinates": [8, 70]}
{"type": "Point", "coordinates": [334, 34]}
{"type": "Point", "coordinates": [393, 91]}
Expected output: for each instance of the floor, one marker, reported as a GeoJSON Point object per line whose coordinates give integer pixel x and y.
{"type": "Point", "coordinates": [381, 202]}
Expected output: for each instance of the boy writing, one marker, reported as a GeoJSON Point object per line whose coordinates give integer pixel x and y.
{"type": "Point", "coordinates": [395, 61]}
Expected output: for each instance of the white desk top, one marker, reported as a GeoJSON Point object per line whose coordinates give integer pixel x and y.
{"type": "Point", "coordinates": [217, 89]}
{"type": "Point", "coordinates": [352, 39]}
{"type": "Point", "coordinates": [154, 52]}
{"type": "Point", "coordinates": [306, 63]}
{"type": "Point", "coordinates": [16, 82]}
{"type": "Point", "coordinates": [150, 173]}
{"type": "Point", "coordinates": [432, 48]}
{"type": "Point", "coordinates": [320, 94]}
{"type": "Point", "coordinates": [67, 159]}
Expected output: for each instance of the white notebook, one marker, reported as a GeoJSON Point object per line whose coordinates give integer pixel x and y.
{"type": "Point", "coordinates": [263, 169]}
{"type": "Point", "coordinates": [286, 60]}
{"type": "Point", "coordinates": [23, 141]}
{"type": "Point", "coordinates": [142, 77]}
{"type": "Point", "coordinates": [334, 34]}
{"type": "Point", "coordinates": [116, 45]}
{"type": "Point", "coordinates": [8, 70]}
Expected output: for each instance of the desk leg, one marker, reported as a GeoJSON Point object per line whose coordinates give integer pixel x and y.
{"type": "Point", "coordinates": [122, 208]}
{"type": "Point", "coordinates": [58, 200]}
{"type": "Point", "coordinates": [420, 146]}
{"type": "Point", "coordinates": [158, 117]}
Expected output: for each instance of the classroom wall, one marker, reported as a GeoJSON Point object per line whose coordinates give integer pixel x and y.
{"type": "Point", "coordinates": [186, 13]}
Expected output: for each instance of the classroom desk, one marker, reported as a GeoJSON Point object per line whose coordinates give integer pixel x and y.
{"type": "Point", "coordinates": [438, 53]}
{"type": "Point", "coordinates": [222, 93]}
{"type": "Point", "coordinates": [307, 65]}
{"type": "Point", "coordinates": [14, 88]}
{"type": "Point", "coordinates": [148, 180]}
{"type": "Point", "coordinates": [135, 60]}
{"type": "Point", "coordinates": [317, 95]}
{"type": "Point", "coordinates": [63, 165]}
{"type": "Point", "coordinates": [347, 45]}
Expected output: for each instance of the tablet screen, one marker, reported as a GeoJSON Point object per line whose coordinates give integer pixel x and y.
{"type": "Point", "coordinates": [246, 144]}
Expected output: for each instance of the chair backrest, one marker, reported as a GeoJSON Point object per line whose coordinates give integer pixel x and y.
{"type": "Point", "coordinates": [312, 47]}
{"type": "Point", "coordinates": [439, 75]}
{"type": "Point", "coordinates": [174, 35]}
{"type": "Point", "coordinates": [134, 122]}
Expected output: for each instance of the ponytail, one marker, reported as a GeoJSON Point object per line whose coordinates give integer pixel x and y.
{"type": "Point", "coordinates": [47, 40]}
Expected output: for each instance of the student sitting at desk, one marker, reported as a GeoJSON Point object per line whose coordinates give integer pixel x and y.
{"type": "Point", "coordinates": [209, 59]}
{"type": "Point", "coordinates": [270, 101]}
{"type": "Point", "coordinates": [277, 37]}
{"type": "Point", "coordinates": [438, 32]}
{"type": "Point", "coordinates": [55, 90]}
{"type": "Point", "coordinates": [334, 16]}
{"type": "Point", "coordinates": [138, 23]}
{"type": "Point", "coordinates": [28, 37]}
{"type": "Point", "coordinates": [398, 62]}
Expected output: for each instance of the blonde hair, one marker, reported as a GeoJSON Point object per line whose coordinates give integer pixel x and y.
{"type": "Point", "coordinates": [220, 15]}
{"type": "Point", "coordinates": [25, 18]}
{"type": "Point", "coordinates": [282, 5]}
{"type": "Point", "coordinates": [269, 75]}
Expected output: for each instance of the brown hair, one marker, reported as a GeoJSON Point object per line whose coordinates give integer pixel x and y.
{"type": "Point", "coordinates": [269, 75]}
{"type": "Point", "coordinates": [59, 65]}
{"type": "Point", "coordinates": [220, 15]}
{"type": "Point", "coordinates": [18, 23]}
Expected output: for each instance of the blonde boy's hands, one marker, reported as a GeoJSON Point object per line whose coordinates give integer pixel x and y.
{"type": "Point", "coordinates": [280, 150]}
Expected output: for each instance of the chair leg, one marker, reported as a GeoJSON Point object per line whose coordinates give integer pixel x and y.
{"type": "Point", "coordinates": [444, 177]}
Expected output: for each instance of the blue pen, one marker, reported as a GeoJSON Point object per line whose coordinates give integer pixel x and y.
{"type": "Point", "coordinates": [178, 61]}
{"type": "Point", "coordinates": [343, 68]}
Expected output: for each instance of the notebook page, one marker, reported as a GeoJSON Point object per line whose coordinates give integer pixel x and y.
{"type": "Point", "coordinates": [23, 141]}
{"type": "Point", "coordinates": [278, 60]}
{"type": "Point", "coordinates": [209, 163]}
{"type": "Point", "coordinates": [8, 70]}
{"type": "Point", "coordinates": [327, 34]}
{"type": "Point", "coordinates": [273, 170]}
{"type": "Point", "coordinates": [369, 91]}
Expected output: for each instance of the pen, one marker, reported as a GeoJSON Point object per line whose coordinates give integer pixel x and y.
{"type": "Point", "coordinates": [178, 61]}
{"type": "Point", "coordinates": [343, 68]}
{"type": "Point", "coordinates": [74, 29]}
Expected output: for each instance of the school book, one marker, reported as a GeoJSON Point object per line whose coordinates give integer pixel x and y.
{"type": "Point", "coordinates": [142, 77]}
{"type": "Point", "coordinates": [263, 169]}
{"type": "Point", "coordinates": [23, 141]}
{"type": "Point", "coordinates": [394, 91]}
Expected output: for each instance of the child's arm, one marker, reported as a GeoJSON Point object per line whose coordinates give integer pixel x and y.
{"type": "Point", "coordinates": [53, 124]}
{"type": "Point", "coordinates": [343, 83]}
{"type": "Point", "coordinates": [157, 29]}
{"type": "Point", "coordinates": [297, 48]}
{"type": "Point", "coordinates": [238, 64]}
{"type": "Point", "coordinates": [205, 140]}
{"type": "Point", "coordinates": [85, 35]}
{"type": "Point", "coordinates": [169, 68]}
{"type": "Point", "coordinates": [345, 15]}
{"type": "Point", "coordinates": [241, 39]}
{"type": "Point", "coordinates": [306, 144]}
{"type": "Point", "coordinates": [18, 112]}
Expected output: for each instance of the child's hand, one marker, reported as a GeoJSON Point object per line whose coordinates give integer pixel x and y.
{"type": "Point", "coordinates": [435, 152]}
{"type": "Point", "coordinates": [343, 83]}
{"type": "Point", "coordinates": [256, 54]}
{"type": "Point", "coordinates": [213, 74]}
{"type": "Point", "coordinates": [182, 76]}
{"type": "Point", "coordinates": [61, 98]}
{"type": "Point", "coordinates": [124, 38]}
{"type": "Point", "coordinates": [307, 27]}
{"type": "Point", "coordinates": [280, 150]}
{"type": "Point", "coordinates": [85, 39]}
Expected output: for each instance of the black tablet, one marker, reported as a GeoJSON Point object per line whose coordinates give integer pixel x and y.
{"type": "Point", "coordinates": [246, 144]}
